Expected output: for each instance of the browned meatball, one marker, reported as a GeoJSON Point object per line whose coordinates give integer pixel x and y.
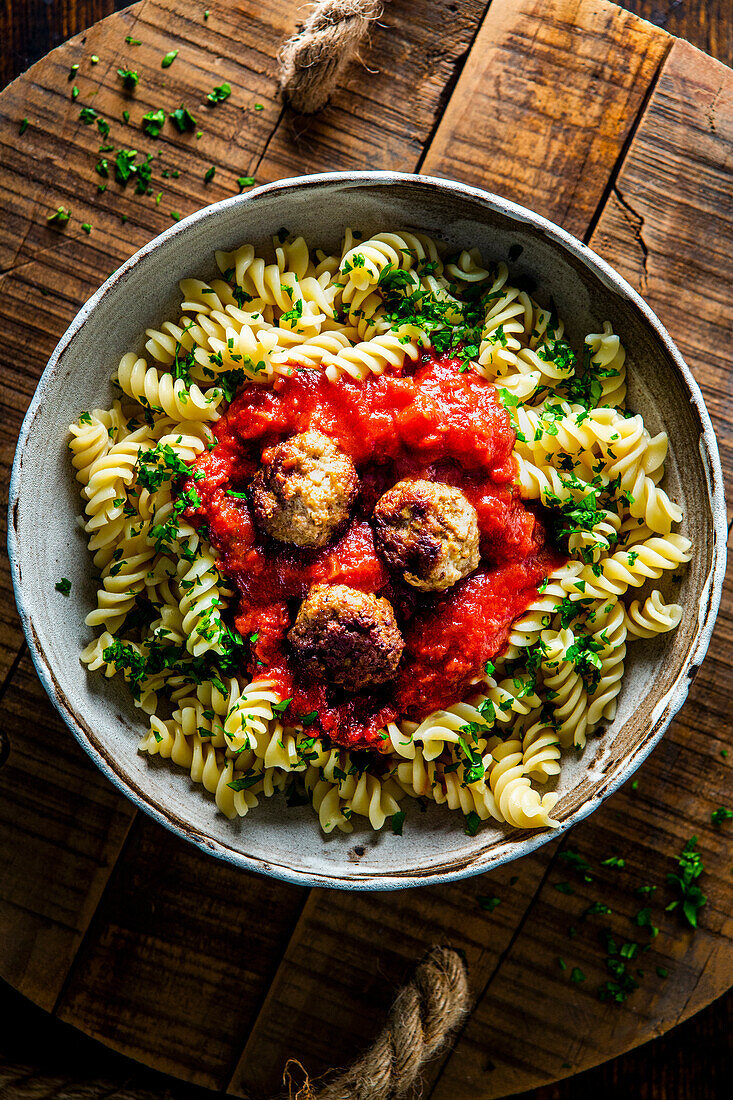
{"type": "Point", "coordinates": [428, 532]}
{"type": "Point", "coordinates": [304, 491]}
{"type": "Point", "coordinates": [346, 637]}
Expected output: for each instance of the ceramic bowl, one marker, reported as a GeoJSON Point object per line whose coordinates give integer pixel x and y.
{"type": "Point", "coordinates": [46, 543]}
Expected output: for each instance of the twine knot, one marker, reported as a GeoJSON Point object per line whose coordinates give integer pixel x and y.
{"type": "Point", "coordinates": [423, 1015]}
{"type": "Point", "coordinates": [314, 58]}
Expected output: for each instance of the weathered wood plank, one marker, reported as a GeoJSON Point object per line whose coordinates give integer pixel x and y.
{"type": "Point", "coordinates": [668, 224]}
{"type": "Point", "coordinates": [705, 23]}
{"type": "Point", "coordinates": [351, 951]}
{"type": "Point", "coordinates": [545, 103]}
{"type": "Point", "coordinates": [34, 27]}
{"type": "Point", "coordinates": [62, 826]}
{"type": "Point", "coordinates": [179, 956]}
{"type": "Point", "coordinates": [668, 227]}
{"type": "Point", "coordinates": [384, 110]}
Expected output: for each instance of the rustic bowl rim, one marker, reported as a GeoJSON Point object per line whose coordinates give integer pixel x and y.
{"type": "Point", "coordinates": [480, 860]}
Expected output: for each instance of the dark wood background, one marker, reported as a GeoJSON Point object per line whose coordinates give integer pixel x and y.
{"type": "Point", "coordinates": [692, 1061]}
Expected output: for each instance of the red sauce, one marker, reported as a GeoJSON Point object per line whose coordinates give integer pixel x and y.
{"type": "Point", "coordinates": [436, 423]}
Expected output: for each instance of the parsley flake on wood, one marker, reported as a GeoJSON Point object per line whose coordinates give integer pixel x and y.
{"type": "Point", "coordinates": [488, 904]}
{"type": "Point", "coordinates": [209, 174]}
{"type": "Point", "coordinates": [59, 216]}
{"type": "Point", "coordinates": [245, 181]}
{"type": "Point", "coordinates": [132, 41]}
{"type": "Point", "coordinates": [129, 78]}
{"type": "Point", "coordinates": [577, 975]}
{"type": "Point", "coordinates": [219, 93]}
{"type": "Point", "coordinates": [691, 896]}
{"type": "Point", "coordinates": [86, 227]}
{"type": "Point", "coordinates": [63, 586]}
{"type": "Point", "coordinates": [578, 863]}
{"type": "Point", "coordinates": [168, 59]}
{"type": "Point", "coordinates": [721, 815]}
{"type": "Point", "coordinates": [23, 125]}
{"type": "Point", "coordinates": [182, 119]}
{"type": "Point", "coordinates": [152, 122]}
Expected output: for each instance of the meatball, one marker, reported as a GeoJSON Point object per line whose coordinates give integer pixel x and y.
{"type": "Point", "coordinates": [428, 532]}
{"type": "Point", "coordinates": [304, 492]}
{"type": "Point", "coordinates": [346, 637]}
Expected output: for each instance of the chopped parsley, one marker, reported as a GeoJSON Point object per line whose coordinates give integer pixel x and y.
{"type": "Point", "coordinates": [209, 174]}
{"type": "Point", "coordinates": [59, 216]}
{"type": "Point", "coordinates": [129, 78]}
{"type": "Point", "coordinates": [218, 94]}
{"type": "Point", "coordinates": [63, 586]}
{"type": "Point", "coordinates": [23, 125]}
{"type": "Point", "coordinates": [182, 119]}
{"type": "Point", "coordinates": [86, 227]}
{"type": "Point", "coordinates": [721, 815]}
{"type": "Point", "coordinates": [691, 896]}
{"type": "Point", "coordinates": [487, 903]}
{"type": "Point", "coordinates": [293, 314]}
{"type": "Point", "coordinates": [152, 122]}
{"type": "Point", "coordinates": [473, 821]}
{"type": "Point", "coordinates": [168, 59]}
{"type": "Point", "coordinates": [245, 181]}
{"type": "Point", "coordinates": [132, 41]}
{"type": "Point", "coordinates": [577, 975]}
{"type": "Point", "coordinates": [397, 821]}
{"type": "Point", "coordinates": [578, 863]}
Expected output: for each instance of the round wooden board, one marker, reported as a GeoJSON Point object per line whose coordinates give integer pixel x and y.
{"type": "Point", "coordinates": [616, 131]}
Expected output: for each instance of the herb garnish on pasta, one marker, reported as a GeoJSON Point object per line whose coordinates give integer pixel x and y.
{"type": "Point", "coordinates": [368, 529]}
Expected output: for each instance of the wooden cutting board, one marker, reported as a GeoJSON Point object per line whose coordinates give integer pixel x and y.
{"type": "Point", "coordinates": [608, 126]}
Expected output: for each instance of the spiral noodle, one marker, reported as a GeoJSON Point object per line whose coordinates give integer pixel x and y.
{"type": "Point", "coordinates": [163, 615]}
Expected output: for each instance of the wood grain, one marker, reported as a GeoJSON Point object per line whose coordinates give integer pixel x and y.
{"type": "Point", "coordinates": [179, 946]}
{"type": "Point", "coordinates": [668, 223]}
{"type": "Point", "coordinates": [32, 27]}
{"type": "Point", "coordinates": [164, 971]}
{"type": "Point", "coordinates": [62, 827]}
{"type": "Point", "coordinates": [545, 103]}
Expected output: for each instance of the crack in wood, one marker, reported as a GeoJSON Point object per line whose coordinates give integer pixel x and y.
{"type": "Point", "coordinates": [636, 221]}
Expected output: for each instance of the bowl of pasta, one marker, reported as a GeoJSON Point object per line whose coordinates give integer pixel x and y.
{"type": "Point", "coordinates": [391, 529]}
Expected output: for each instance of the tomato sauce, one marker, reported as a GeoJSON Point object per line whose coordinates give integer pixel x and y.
{"type": "Point", "coordinates": [435, 423]}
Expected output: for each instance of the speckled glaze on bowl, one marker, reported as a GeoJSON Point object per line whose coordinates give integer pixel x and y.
{"type": "Point", "coordinates": [46, 543]}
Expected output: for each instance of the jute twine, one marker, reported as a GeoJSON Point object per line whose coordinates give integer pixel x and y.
{"type": "Point", "coordinates": [422, 1017]}
{"type": "Point", "coordinates": [312, 61]}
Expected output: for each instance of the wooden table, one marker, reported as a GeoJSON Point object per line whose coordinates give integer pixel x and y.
{"type": "Point", "coordinates": [623, 135]}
